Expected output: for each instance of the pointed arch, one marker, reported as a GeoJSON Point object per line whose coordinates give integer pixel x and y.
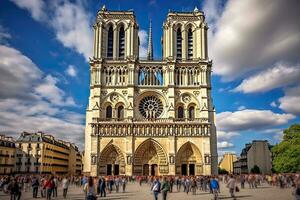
{"type": "Point", "coordinates": [111, 155]}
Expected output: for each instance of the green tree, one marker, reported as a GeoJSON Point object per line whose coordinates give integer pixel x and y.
{"type": "Point", "coordinates": [255, 170]}
{"type": "Point", "coordinates": [287, 152]}
{"type": "Point", "coordinates": [222, 171]}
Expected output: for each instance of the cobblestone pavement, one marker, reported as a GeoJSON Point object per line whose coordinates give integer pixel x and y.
{"type": "Point", "coordinates": [136, 192]}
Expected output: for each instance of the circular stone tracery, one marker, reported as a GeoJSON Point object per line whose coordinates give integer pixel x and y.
{"type": "Point", "coordinates": [151, 107]}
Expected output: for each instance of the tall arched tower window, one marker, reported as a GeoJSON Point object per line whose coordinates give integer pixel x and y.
{"type": "Point", "coordinates": [191, 112]}
{"type": "Point", "coordinates": [110, 42]}
{"type": "Point", "coordinates": [178, 44]}
{"type": "Point", "coordinates": [108, 112]}
{"type": "Point", "coordinates": [120, 112]}
{"type": "Point", "coordinates": [180, 112]}
{"type": "Point", "coordinates": [121, 42]}
{"type": "Point", "coordinates": [190, 44]}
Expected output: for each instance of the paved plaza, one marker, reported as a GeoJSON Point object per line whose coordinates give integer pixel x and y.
{"type": "Point", "coordinates": [136, 192]}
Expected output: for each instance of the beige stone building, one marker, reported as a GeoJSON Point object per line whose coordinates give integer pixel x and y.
{"type": "Point", "coordinates": [227, 162]}
{"type": "Point", "coordinates": [7, 155]}
{"type": "Point", "coordinates": [42, 153]}
{"type": "Point", "coordinates": [148, 116]}
{"type": "Point", "coordinates": [256, 153]}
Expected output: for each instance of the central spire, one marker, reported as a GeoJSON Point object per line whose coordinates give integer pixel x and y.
{"type": "Point", "coordinates": [150, 45]}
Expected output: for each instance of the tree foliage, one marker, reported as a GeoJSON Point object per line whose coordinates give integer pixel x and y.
{"type": "Point", "coordinates": [287, 152]}
{"type": "Point", "coordinates": [255, 170]}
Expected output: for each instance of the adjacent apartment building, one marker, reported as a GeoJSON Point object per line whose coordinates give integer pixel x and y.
{"type": "Point", "coordinates": [256, 153]}
{"type": "Point", "coordinates": [43, 153]}
{"type": "Point", "coordinates": [227, 162]}
{"type": "Point", "coordinates": [7, 155]}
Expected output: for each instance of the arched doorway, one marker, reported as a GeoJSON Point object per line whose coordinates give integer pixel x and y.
{"type": "Point", "coordinates": [189, 160]}
{"type": "Point", "coordinates": [150, 159]}
{"type": "Point", "coordinates": [111, 161]}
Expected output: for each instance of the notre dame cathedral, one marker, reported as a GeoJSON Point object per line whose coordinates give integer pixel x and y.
{"type": "Point", "coordinates": [147, 116]}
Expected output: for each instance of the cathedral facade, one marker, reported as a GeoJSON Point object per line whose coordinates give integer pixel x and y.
{"type": "Point", "coordinates": [148, 116]}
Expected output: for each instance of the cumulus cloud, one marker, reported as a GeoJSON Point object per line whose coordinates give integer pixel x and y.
{"type": "Point", "coordinates": [224, 145]}
{"type": "Point", "coordinates": [251, 35]}
{"type": "Point", "coordinates": [70, 21]}
{"type": "Point", "coordinates": [71, 71]}
{"type": "Point", "coordinates": [4, 35]}
{"type": "Point", "coordinates": [290, 101]}
{"type": "Point", "coordinates": [278, 76]}
{"type": "Point", "coordinates": [143, 36]}
{"type": "Point", "coordinates": [32, 101]}
{"type": "Point", "coordinates": [273, 104]}
{"type": "Point", "coordinates": [222, 135]}
{"type": "Point", "coordinates": [18, 74]}
{"type": "Point", "coordinates": [35, 7]}
{"type": "Point", "coordinates": [72, 25]}
{"type": "Point", "coordinates": [251, 120]}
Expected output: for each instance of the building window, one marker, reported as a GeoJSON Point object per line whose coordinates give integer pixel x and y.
{"type": "Point", "coordinates": [191, 112]}
{"type": "Point", "coordinates": [120, 112]}
{"type": "Point", "coordinates": [178, 44]}
{"type": "Point", "coordinates": [190, 44]}
{"type": "Point", "coordinates": [151, 107]}
{"type": "Point", "coordinates": [108, 112]}
{"type": "Point", "coordinates": [110, 42]}
{"type": "Point", "coordinates": [180, 112]}
{"type": "Point", "coordinates": [121, 42]}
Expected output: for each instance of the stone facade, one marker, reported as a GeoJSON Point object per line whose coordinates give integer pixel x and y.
{"type": "Point", "coordinates": [7, 155]}
{"type": "Point", "coordinates": [42, 153]}
{"type": "Point", "coordinates": [147, 116]}
{"type": "Point", "coordinates": [227, 162]}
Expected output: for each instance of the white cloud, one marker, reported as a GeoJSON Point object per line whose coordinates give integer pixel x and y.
{"type": "Point", "coordinates": [224, 145]}
{"type": "Point", "coordinates": [31, 101]}
{"type": "Point", "coordinates": [241, 107]}
{"type": "Point", "coordinates": [72, 24]}
{"type": "Point", "coordinates": [273, 104]}
{"type": "Point", "coordinates": [35, 7]}
{"type": "Point", "coordinates": [4, 35]}
{"type": "Point", "coordinates": [250, 120]}
{"type": "Point", "coordinates": [222, 135]}
{"type": "Point", "coordinates": [251, 35]}
{"type": "Point", "coordinates": [290, 101]}
{"type": "Point", "coordinates": [70, 21]}
{"type": "Point", "coordinates": [280, 75]}
{"type": "Point", "coordinates": [18, 74]}
{"type": "Point", "coordinates": [71, 71]}
{"type": "Point", "coordinates": [143, 36]}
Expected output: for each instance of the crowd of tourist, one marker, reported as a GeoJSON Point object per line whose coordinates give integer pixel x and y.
{"type": "Point", "coordinates": [46, 186]}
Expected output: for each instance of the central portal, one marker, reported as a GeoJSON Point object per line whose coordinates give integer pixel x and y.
{"type": "Point", "coordinates": [149, 159]}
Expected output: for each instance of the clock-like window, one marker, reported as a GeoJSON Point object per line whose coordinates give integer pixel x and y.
{"type": "Point", "coordinates": [151, 107]}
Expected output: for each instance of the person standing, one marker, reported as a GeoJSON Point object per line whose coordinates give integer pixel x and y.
{"type": "Point", "coordinates": [65, 186]}
{"type": "Point", "coordinates": [35, 186]}
{"type": "Point", "coordinates": [231, 186]}
{"type": "Point", "coordinates": [90, 190]}
{"type": "Point", "coordinates": [296, 192]}
{"type": "Point", "coordinates": [49, 187]}
{"type": "Point", "coordinates": [165, 188]}
{"type": "Point", "coordinates": [156, 188]}
{"type": "Point", "coordinates": [55, 184]}
{"type": "Point", "coordinates": [117, 184]}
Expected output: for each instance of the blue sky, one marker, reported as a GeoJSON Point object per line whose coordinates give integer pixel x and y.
{"type": "Point", "coordinates": [44, 71]}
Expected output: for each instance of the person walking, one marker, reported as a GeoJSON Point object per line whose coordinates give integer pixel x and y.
{"type": "Point", "coordinates": [102, 185]}
{"type": "Point", "coordinates": [165, 188]}
{"type": "Point", "coordinates": [231, 186]}
{"type": "Point", "coordinates": [124, 182]}
{"type": "Point", "coordinates": [296, 192]}
{"type": "Point", "coordinates": [65, 186]}
{"type": "Point", "coordinates": [214, 185]}
{"type": "Point", "coordinates": [35, 186]}
{"type": "Point", "coordinates": [49, 185]}
{"type": "Point", "coordinates": [156, 188]}
{"type": "Point", "coordinates": [90, 190]}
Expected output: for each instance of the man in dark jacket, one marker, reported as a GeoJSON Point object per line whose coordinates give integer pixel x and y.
{"type": "Point", "coordinates": [35, 186]}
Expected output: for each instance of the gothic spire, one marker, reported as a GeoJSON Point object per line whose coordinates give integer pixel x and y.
{"type": "Point", "coordinates": [150, 44]}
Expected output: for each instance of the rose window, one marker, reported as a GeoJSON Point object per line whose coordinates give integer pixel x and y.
{"type": "Point", "coordinates": [151, 107]}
